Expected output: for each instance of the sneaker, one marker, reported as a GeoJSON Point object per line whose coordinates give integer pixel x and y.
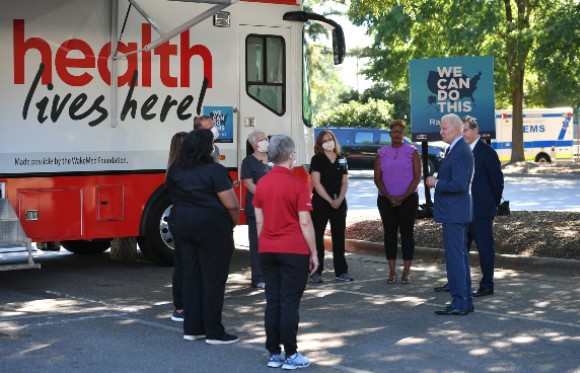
{"type": "Point", "coordinates": [296, 361]}
{"type": "Point", "coordinates": [188, 337]}
{"type": "Point", "coordinates": [276, 360]}
{"type": "Point", "coordinates": [316, 278]}
{"type": "Point", "coordinates": [345, 277]}
{"type": "Point", "coordinates": [177, 316]}
{"type": "Point", "coordinates": [226, 339]}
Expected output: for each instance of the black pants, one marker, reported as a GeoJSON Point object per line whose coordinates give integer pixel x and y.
{"type": "Point", "coordinates": [399, 218]}
{"type": "Point", "coordinates": [177, 281]}
{"type": "Point", "coordinates": [323, 212]}
{"type": "Point", "coordinates": [285, 276]}
{"type": "Point", "coordinates": [206, 244]}
{"type": "Point", "coordinates": [254, 257]}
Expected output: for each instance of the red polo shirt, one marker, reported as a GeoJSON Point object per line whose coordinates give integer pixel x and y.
{"type": "Point", "coordinates": [281, 195]}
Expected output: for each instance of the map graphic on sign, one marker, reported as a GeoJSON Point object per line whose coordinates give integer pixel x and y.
{"type": "Point", "coordinates": [464, 92]}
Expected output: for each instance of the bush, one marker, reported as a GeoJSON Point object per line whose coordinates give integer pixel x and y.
{"type": "Point", "coordinates": [375, 114]}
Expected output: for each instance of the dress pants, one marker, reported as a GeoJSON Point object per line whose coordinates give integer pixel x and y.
{"type": "Point", "coordinates": [457, 264]}
{"type": "Point", "coordinates": [206, 244]}
{"type": "Point", "coordinates": [395, 219]}
{"type": "Point", "coordinates": [481, 231]}
{"type": "Point", "coordinates": [322, 212]}
{"type": "Point", "coordinates": [285, 276]}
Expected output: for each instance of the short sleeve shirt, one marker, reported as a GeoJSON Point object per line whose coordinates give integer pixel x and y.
{"type": "Point", "coordinates": [397, 168]}
{"type": "Point", "coordinates": [331, 174]}
{"type": "Point", "coordinates": [252, 168]}
{"type": "Point", "coordinates": [281, 195]}
{"type": "Point", "coordinates": [196, 187]}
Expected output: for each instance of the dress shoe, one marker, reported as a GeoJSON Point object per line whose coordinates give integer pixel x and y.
{"type": "Point", "coordinates": [481, 292]}
{"type": "Point", "coordinates": [441, 288]}
{"type": "Point", "coordinates": [469, 309]}
{"type": "Point", "coordinates": [452, 311]}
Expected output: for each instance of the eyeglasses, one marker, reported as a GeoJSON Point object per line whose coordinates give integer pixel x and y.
{"type": "Point", "coordinates": [396, 132]}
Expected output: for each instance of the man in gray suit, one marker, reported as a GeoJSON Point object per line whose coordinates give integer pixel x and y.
{"type": "Point", "coordinates": [453, 208]}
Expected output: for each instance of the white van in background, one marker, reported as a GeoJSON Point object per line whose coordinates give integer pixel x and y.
{"type": "Point", "coordinates": [548, 134]}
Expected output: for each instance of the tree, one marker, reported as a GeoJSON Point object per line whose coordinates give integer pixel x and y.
{"type": "Point", "coordinates": [374, 113]}
{"type": "Point", "coordinates": [325, 84]}
{"type": "Point", "coordinates": [510, 30]}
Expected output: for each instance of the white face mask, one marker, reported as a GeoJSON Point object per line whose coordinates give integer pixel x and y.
{"type": "Point", "coordinates": [216, 133]}
{"type": "Point", "coordinates": [329, 145]}
{"type": "Point", "coordinates": [263, 146]}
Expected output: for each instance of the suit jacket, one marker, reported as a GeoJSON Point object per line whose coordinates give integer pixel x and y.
{"type": "Point", "coordinates": [487, 185]}
{"type": "Point", "coordinates": [452, 192]}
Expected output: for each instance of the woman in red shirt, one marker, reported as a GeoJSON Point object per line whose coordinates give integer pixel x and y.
{"type": "Point", "coordinates": [287, 251]}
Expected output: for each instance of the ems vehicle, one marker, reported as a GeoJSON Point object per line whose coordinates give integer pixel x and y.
{"type": "Point", "coordinates": [548, 134]}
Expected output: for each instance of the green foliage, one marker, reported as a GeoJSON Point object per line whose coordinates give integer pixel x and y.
{"type": "Point", "coordinates": [325, 84]}
{"type": "Point", "coordinates": [374, 113]}
{"type": "Point", "coordinates": [399, 99]}
{"type": "Point", "coordinates": [534, 45]}
{"type": "Point", "coordinates": [556, 60]}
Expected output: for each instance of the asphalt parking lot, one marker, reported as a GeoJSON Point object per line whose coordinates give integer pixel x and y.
{"type": "Point", "coordinates": [90, 314]}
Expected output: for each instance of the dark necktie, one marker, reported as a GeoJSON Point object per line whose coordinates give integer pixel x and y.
{"type": "Point", "coordinates": [447, 150]}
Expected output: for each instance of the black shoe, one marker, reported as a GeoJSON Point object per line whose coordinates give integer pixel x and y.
{"type": "Point", "coordinates": [469, 309]}
{"type": "Point", "coordinates": [441, 288]}
{"type": "Point", "coordinates": [226, 339]}
{"type": "Point", "coordinates": [452, 311]}
{"type": "Point", "coordinates": [481, 292]}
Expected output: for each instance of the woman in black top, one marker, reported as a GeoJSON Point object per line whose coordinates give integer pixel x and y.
{"type": "Point", "coordinates": [329, 173]}
{"type": "Point", "coordinates": [254, 166]}
{"type": "Point", "coordinates": [205, 211]}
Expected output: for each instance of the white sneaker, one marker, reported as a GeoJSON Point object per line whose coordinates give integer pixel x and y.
{"type": "Point", "coordinates": [276, 360]}
{"type": "Point", "coordinates": [188, 337]}
{"type": "Point", "coordinates": [296, 361]}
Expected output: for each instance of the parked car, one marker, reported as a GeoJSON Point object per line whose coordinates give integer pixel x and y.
{"type": "Point", "coordinates": [360, 146]}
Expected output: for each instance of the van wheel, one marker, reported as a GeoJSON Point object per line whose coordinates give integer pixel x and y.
{"type": "Point", "coordinates": [84, 247]}
{"type": "Point", "coordinates": [157, 242]}
{"type": "Point", "coordinates": [543, 158]}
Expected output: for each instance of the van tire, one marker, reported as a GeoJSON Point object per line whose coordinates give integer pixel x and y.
{"type": "Point", "coordinates": [543, 158]}
{"type": "Point", "coordinates": [157, 243]}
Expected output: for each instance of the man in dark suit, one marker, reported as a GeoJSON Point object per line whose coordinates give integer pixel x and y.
{"type": "Point", "coordinates": [486, 190]}
{"type": "Point", "coordinates": [453, 208]}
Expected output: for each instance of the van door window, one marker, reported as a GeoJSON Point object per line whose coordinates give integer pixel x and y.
{"type": "Point", "coordinates": [384, 138]}
{"type": "Point", "coordinates": [266, 71]}
{"type": "Point", "coordinates": [363, 137]}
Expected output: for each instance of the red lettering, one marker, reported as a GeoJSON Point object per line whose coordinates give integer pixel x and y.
{"type": "Point", "coordinates": [165, 51]}
{"type": "Point", "coordinates": [145, 56]}
{"type": "Point", "coordinates": [21, 46]}
{"type": "Point", "coordinates": [63, 62]}
{"type": "Point", "coordinates": [67, 59]}
{"type": "Point", "coordinates": [103, 63]}
{"type": "Point", "coordinates": [185, 56]}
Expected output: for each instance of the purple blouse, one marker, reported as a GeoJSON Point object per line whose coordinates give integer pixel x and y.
{"type": "Point", "coordinates": [397, 168]}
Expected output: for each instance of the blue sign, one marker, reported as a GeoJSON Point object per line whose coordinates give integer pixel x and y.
{"type": "Point", "coordinates": [223, 119]}
{"type": "Point", "coordinates": [458, 85]}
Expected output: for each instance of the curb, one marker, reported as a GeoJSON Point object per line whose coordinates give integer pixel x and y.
{"type": "Point", "coordinates": [534, 264]}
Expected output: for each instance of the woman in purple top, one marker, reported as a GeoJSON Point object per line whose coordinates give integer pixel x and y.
{"type": "Point", "coordinates": [397, 174]}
